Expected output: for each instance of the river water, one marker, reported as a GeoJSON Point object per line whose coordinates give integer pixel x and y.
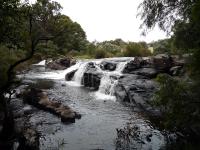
{"type": "Point", "coordinates": [101, 113]}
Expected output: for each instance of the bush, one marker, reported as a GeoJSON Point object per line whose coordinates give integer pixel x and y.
{"type": "Point", "coordinates": [100, 53]}
{"type": "Point", "coordinates": [8, 57]}
{"type": "Point", "coordinates": [136, 49]}
{"type": "Point", "coordinates": [179, 104]}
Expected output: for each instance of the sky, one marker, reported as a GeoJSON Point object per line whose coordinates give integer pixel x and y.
{"type": "Point", "coordinates": [109, 19]}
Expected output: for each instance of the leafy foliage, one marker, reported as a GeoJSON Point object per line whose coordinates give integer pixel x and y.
{"type": "Point", "coordinates": [136, 49]}
{"type": "Point", "coordinates": [179, 104]}
{"type": "Point", "coordinates": [164, 12]}
{"type": "Point", "coordinates": [164, 46]}
{"type": "Point", "coordinates": [100, 53]}
{"type": "Point", "coordinates": [178, 99]}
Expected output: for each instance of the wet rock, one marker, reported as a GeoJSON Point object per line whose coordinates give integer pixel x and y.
{"type": "Point", "coordinates": [70, 75]}
{"type": "Point", "coordinates": [60, 64]}
{"type": "Point", "coordinates": [135, 64]}
{"type": "Point", "coordinates": [108, 65]}
{"type": "Point", "coordinates": [147, 72]}
{"type": "Point", "coordinates": [90, 65]}
{"type": "Point", "coordinates": [148, 137]}
{"type": "Point", "coordinates": [39, 99]}
{"type": "Point", "coordinates": [162, 63]}
{"type": "Point", "coordinates": [91, 77]}
{"type": "Point", "coordinates": [137, 90]}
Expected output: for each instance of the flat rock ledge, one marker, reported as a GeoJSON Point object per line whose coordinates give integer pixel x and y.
{"type": "Point", "coordinates": [39, 99]}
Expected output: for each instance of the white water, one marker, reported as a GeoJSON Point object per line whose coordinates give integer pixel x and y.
{"type": "Point", "coordinates": [56, 75]}
{"type": "Point", "coordinates": [99, 117]}
{"type": "Point", "coordinates": [106, 88]}
{"type": "Point", "coordinates": [107, 83]}
{"type": "Point", "coordinates": [79, 74]}
{"type": "Point", "coordinates": [42, 63]}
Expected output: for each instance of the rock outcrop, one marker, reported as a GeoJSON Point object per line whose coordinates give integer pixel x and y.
{"type": "Point", "coordinates": [92, 77]}
{"type": "Point", "coordinates": [163, 63]}
{"type": "Point", "coordinates": [137, 90]}
{"type": "Point", "coordinates": [108, 65]}
{"type": "Point", "coordinates": [39, 99]}
{"type": "Point", "coordinates": [133, 65]}
{"type": "Point", "coordinates": [69, 76]}
{"type": "Point", "coordinates": [60, 64]}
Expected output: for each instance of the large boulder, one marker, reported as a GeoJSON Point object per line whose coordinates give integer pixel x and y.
{"type": "Point", "coordinates": [136, 63]}
{"type": "Point", "coordinates": [137, 90]}
{"type": "Point", "coordinates": [92, 78]}
{"type": "Point", "coordinates": [70, 75]}
{"type": "Point", "coordinates": [147, 72]}
{"type": "Point", "coordinates": [39, 99]}
{"type": "Point", "coordinates": [60, 64]}
{"type": "Point", "coordinates": [108, 65]}
{"type": "Point", "coordinates": [162, 63]}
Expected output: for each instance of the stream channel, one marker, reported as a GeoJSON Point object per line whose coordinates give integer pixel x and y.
{"type": "Point", "coordinates": [101, 113]}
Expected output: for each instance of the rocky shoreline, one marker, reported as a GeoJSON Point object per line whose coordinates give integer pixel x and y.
{"type": "Point", "coordinates": [135, 86]}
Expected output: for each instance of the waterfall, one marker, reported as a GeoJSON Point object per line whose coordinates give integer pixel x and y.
{"type": "Point", "coordinates": [109, 81]}
{"type": "Point", "coordinates": [106, 88]}
{"type": "Point", "coordinates": [79, 73]}
{"type": "Point", "coordinates": [120, 67]}
{"type": "Point", "coordinates": [41, 63]}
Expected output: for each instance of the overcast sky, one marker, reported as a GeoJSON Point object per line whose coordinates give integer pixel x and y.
{"type": "Point", "coordinates": [108, 19]}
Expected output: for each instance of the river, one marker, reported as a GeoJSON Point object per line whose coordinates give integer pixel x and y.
{"type": "Point", "coordinates": [101, 113]}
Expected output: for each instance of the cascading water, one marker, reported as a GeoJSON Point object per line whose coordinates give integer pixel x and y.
{"type": "Point", "coordinates": [120, 67]}
{"type": "Point", "coordinates": [99, 117]}
{"type": "Point", "coordinates": [42, 63]}
{"type": "Point", "coordinates": [108, 82]}
{"type": "Point", "coordinates": [106, 88]}
{"type": "Point", "coordinates": [79, 73]}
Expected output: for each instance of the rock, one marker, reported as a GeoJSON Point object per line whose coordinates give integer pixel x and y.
{"type": "Point", "coordinates": [55, 66]}
{"type": "Point", "coordinates": [39, 99]}
{"type": "Point", "coordinates": [70, 75]}
{"type": "Point", "coordinates": [137, 90]}
{"type": "Point", "coordinates": [162, 63]}
{"type": "Point", "coordinates": [108, 65]}
{"type": "Point", "coordinates": [60, 64]}
{"type": "Point", "coordinates": [148, 137]}
{"type": "Point", "coordinates": [92, 78]}
{"type": "Point", "coordinates": [66, 62]}
{"type": "Point", "coordinates": [68, 117]}
{"type": "Point", "coordinates": [147, 72]}
{"type": "Point", "coordinates": [90, 65]}
{"type": "Point", "coordinates": [137, 63]}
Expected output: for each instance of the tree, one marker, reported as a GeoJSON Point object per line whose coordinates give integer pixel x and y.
{"type": "Point", "coordinates": [136, 49]}
{"type": "Point", "coordinates": [163, 46]}
{"type": "Point", "coordinates": [165, 13]}
{"type": "Point", "coordinates": [22, 28]}
{"type": "Point", "coordinates": [180, 97]}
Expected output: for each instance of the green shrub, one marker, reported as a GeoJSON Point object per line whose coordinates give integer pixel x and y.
{"type": "Point", "coordinates": [100, 53]}
{"type": "Point", "coordinates": [179, 105]}
{"type": "Point", "coordinates": [8, 57]}
{"type": "Point", "coordinates": [136, 49]}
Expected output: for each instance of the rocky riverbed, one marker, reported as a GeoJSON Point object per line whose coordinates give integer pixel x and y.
{"type": "Point", "coordinates": [110, 95]}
